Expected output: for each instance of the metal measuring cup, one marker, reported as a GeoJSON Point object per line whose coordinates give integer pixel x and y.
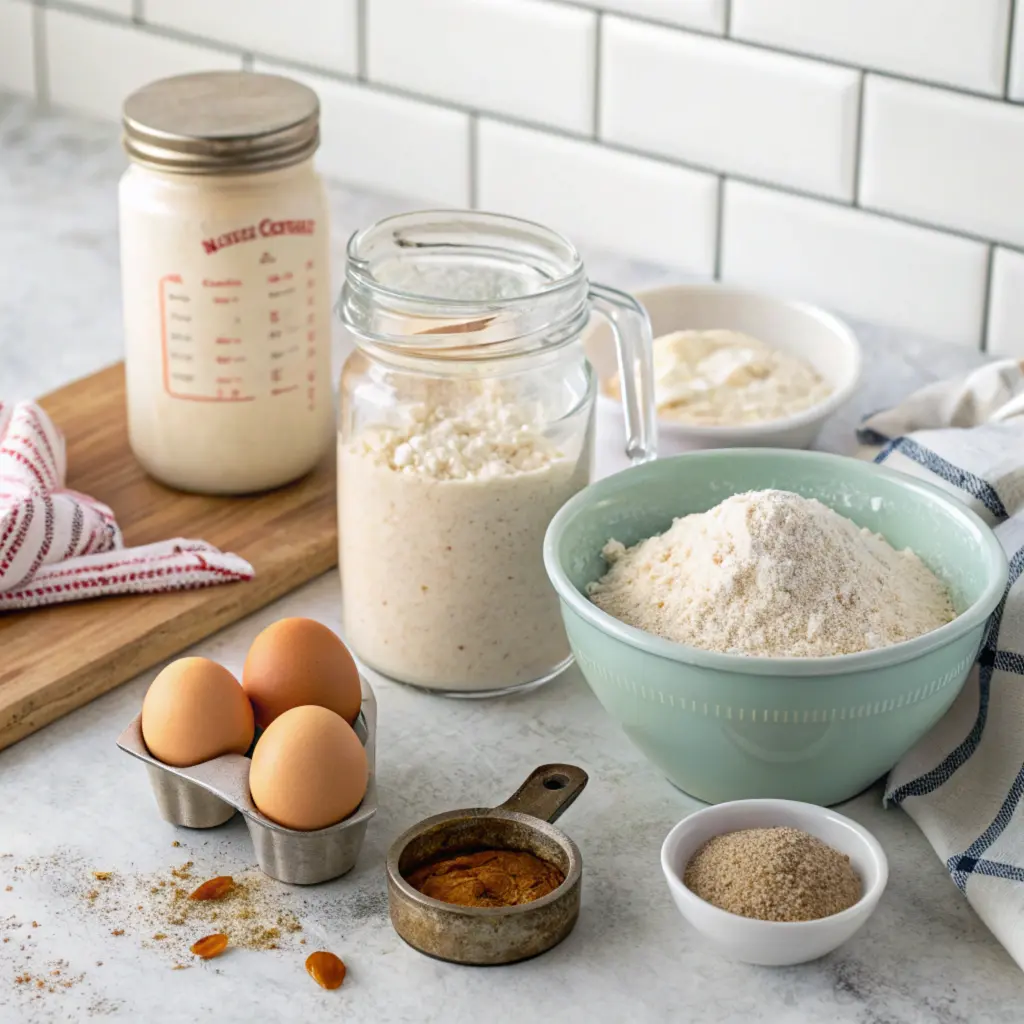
{"type": "Point", "coordinates": [492, 935]}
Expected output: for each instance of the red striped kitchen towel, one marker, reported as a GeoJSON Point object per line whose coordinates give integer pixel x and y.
{"type": "Point", "coordinates": [58, 545]}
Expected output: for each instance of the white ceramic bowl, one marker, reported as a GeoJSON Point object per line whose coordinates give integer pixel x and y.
{"type": "Point", "coordinates": [773, 943]}
{"type": "Point", "coordinates": [794, 327]}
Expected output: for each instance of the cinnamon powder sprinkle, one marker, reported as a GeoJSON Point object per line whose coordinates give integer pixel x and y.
{"type": "Point", "coordinates": [773, 874]}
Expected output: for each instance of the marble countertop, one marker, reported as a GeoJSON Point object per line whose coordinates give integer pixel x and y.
{"type": "Point", "coordinates": [71, 803]}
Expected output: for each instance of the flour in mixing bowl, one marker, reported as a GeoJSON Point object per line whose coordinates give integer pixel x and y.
{"type": "Point", "coordinates": [775, 574]}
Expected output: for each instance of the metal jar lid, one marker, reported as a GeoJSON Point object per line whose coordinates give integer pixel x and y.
{"type": "Point", "coordinates": [221, 122]}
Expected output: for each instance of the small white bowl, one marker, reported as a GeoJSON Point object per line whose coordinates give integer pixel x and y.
{"type": "Point", "coordinates": [774, 943]}
{"type": "Point", "coordinates": [801, 330]}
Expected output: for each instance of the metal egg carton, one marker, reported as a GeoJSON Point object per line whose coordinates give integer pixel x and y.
{"type": "Point", "coordinates": [208, 794]}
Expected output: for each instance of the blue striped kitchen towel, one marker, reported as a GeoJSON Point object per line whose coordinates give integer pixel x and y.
{"type": "Point", "coordinates": [963, 784]}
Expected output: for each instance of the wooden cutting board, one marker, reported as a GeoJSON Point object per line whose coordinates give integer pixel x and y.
{"type": "Point", "coordinates": [53, 660]}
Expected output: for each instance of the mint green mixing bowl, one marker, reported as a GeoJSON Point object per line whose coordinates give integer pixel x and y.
{"type": "Point", "coordinates": [728, 726]}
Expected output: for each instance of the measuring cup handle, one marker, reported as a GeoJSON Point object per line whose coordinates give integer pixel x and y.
{"type": "Point", "coordinates": [548, 792]}
{"type": "Point", "coordinates": [633, 344]}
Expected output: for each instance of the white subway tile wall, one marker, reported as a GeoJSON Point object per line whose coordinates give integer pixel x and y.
{"type": "Point", "coordinates": [874, 267]}
{"type": "Point", "coordinates": [321, 32]}
{"type": "Point", "coordinates": [17, 64]}
{"type": "Point", "coordinates": [630, 204]}
{"type": "Point", "coordinates": [956, 161]}
{"type": "Point", "coordinates": [863, 154]}
{"type": "Point", "coordinates": [959, 42]}
{"type": "Point", "coordinates": [388, 143]}
{"type": "Point", "coordinates": [527, 58]}
{"type": "Point", "coordinates": [729, 107]}
{"type": "Point", "coordinates": [1006, 315]}
{"type": "Point", "coordinates": [93, 65]}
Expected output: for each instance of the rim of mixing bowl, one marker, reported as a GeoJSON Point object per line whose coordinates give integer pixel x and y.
{"type": "Point", "coordinates": [759, 665]}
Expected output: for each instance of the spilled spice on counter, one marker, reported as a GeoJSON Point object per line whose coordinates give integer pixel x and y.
{"type": "Point", "coordinates": [487, 878]}
{"type": "Point", "coordinates": [244, 906]}
{"type": "Point", "coordinates": [154, 908]}
{"type": "Point", "coordinates": [773, 874]}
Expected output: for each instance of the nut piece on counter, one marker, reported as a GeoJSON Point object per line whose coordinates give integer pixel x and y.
{"type": "Point", "coordinates": [210, 946]}
{"type": "Point", "coordinates": [326, 969]}
{"type": "Point", "coordinates": [213, 888]}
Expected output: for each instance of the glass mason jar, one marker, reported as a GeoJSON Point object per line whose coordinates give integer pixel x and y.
{"type": "Point", "coordinates": [224, 260]}
{"type": "Point", "coordinates": [466, 422]}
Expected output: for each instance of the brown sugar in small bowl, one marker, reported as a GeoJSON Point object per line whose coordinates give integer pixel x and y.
{"type": "Point", "coordinates": [483, 936]}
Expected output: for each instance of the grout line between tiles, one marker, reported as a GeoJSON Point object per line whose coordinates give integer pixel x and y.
{"type": "Point", "coordinates": [96, 13]}
{"type": "Point", "coordinates": [362, 23]}
{"type": "Point", "coordinates": [986, 308]}
{"type": "Point", "coordinates": [858, 139]}
{"type": "Point", "coordinates": [248, 60]}
{"type": "Point", "coordinates": [40, 57]}
{"type": "Point", "coordinates": [474, 162]}
{"type": "Point", "coordinates": [161, 31]}
{"type": "Point", "coordinates": [644, 19]}
{"type": "Point", "coordinates": [728, 18]}
{"type": "Point", "coordinates": [719, 230]}
{"type": "Point", "coordinates": [598, 60]}
{"type": "Point", "coordinates": [1007, 71]}
{"type": "Point", "coordinates": [139, 12]}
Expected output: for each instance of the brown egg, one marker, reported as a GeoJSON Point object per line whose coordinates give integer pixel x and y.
{"type": "Point", "coordinates": [195, 710]}
{"type": "Point", "coordinates": [309, 769]}
{"type": "Point", "coordinates": [295, 662]}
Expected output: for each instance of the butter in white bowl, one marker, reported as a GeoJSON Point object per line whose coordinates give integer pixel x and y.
{"type": "Point", "coordinates": [733, 368]}
{"type": "Point", "coordinates": [722, 376]}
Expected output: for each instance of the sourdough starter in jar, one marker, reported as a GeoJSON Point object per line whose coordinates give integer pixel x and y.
{"type": "Point", "coordinates": [225, 267]}
{"type": "Point", "coordinates": [443, 522]}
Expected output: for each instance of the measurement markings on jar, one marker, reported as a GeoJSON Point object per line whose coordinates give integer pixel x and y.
{"type": "Point", "coordinates": [216, 373]}
{"type": "Point", "coordinates": [285, 361]}
{"type": "Point", "coordinates": [311, 338]}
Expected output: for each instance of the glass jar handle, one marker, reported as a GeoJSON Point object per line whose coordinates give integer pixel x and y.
{"type": "Point", "coordinates": [633, 345]}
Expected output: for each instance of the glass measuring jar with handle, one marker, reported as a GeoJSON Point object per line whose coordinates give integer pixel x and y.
{"type": "Point", "coordinates": [465, 423]}
{"type": "Point", "coordinates": [225, 269]}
